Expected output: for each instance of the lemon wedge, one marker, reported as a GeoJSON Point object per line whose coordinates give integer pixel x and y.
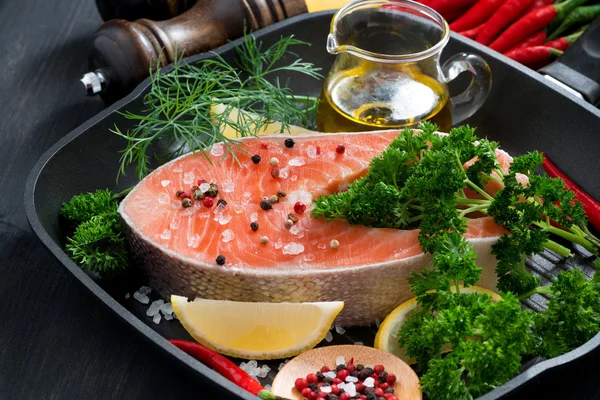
{"type": "Point", "coordinates": [258, 331]}
{"type": "Point", "coordinates": [387, 335]}
{"type": "Point", "coordinates": [245, 117]}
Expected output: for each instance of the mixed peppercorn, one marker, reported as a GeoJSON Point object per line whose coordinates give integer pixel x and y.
{"type": "Point", "coordinates": [348, 381]}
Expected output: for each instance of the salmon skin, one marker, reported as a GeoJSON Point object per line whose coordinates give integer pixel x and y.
{"type": "Point", "coordinates": [177, 247]}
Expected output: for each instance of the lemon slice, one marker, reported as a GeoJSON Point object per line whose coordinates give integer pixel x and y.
{"type": "Point", "coordinates": [258, 331]}
{"type": "Point", "coordinates": [387, 335]}
{"type": "Point", "coordinates": [245, 117]}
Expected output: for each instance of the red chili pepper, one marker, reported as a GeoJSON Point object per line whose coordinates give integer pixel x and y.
{"type": "Point", "coordinates": [507, 13]}
{"type": "Point", "coordinates": [225, 367]}
{"type": "Point", "coordinates": [533, 22]}
{"type": "Point", "coordinates": [472, 33]}
{"type": "Point", "coordinates": [538, 4]}
{"type": "Point", "coordinates": [537, 39]}
{"type": "Point", "coordinates": [476, 15]}
{"type": "Point", "coordinates": [590, 206]}
{"type": "Point", "coordinates": [451, 16]}
{"type": "Point", "coordinates": [447, 7]}
{"type": "Point", "coordinates": [534, 57]}
{"type": "Point", "coordinates": [563, 43]}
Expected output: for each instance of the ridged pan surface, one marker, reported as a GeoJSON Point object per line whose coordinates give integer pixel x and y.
{"type": "Point", "coordinates": [523, 112]}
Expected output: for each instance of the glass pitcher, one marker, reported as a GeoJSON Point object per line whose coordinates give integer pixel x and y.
{"type": "Point", "coordinates": [387, 72]}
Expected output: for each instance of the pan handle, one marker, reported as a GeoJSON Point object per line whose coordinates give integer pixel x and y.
{"type": "Point", "coordinates": [579, 66]}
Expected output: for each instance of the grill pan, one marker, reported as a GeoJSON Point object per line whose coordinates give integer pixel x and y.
{"type": "Point", "coordinates": [524, 112]}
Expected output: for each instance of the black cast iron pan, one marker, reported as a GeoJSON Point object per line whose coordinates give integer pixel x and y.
{"type": "Point", "coordinates": [524, 112]}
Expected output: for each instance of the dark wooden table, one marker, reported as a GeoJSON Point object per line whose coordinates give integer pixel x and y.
{"type": "Point", "coordinates": [56, 341]}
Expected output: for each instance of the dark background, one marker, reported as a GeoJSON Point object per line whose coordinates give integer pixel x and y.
{"type": "Point", "coordinates": [56, 341]}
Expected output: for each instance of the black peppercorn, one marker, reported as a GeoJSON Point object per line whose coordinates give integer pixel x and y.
{"type": "Point", "coordinates": [312, 387]}
{"type": "Point", "coordinates": [365, 373]}
{"type": "Point", "coordinates": [179, 193]}
{"type": "Point", "coordinates": [355, 374]}
{"type": "Point", "coordinates": [389, 390]}
{"type": "Point", "coordinates": [319, 376]}
{"type": "Point", "coordinates": [213, 191]}
{"type": "Point", "coordinates": [371, 396]}
{"type": "Point", "coordinates": [289, 143]}
{"type": "Point", "coordinates": [383, 376]}
{"type": "Point", "coordinates": [359, 367]}
{"type": "Point", "coordinates": [256, 159]}
{"type": "Point", "coordinates": [281, 193]}
{"type": "Point", "coordinates": [221, 259]}
{"type": "Point", "coordinates": [265, 205]}
{"type": "Point", "coordinates": [327, 379]}
{"type": "Point", "coordinates": [332, 397]}
{"type": "Point", "coordinates": [254, 226]}
{"type": "Point", "coordinates": [221, 202]}
{"type": "Point", "coordinates": [340, 367]}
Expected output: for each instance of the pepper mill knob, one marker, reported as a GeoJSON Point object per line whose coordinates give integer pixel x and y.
{"type": "Point", "coordinates": [123, 53]}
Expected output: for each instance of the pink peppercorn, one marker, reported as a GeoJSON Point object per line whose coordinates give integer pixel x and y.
{"type": "Point", "coordinates": [325, 368]}
{"type": "Point", "coordinates": [342, 374]}
{"type": "Point", "coordinates": [299, 207]}
{"type": "Point", "coordinates": [346, 396]}
{"type": "Point", "coordinates": [311, 378]}
{"type": "Point", "coordinates": [337, 381]}
{"type": "Point", "coordinates": [208, 202]}
{"type": "Point", "coordinates": [201, 181]}
{"type": "Point", "coordinates": [185, 195]}
{"type": "Point", "coordinates": [391, 379]}
{"type": "Point", "coordinates": [306, 392]}
{"type": "Point", "coordinates": [300, 384]}
{"type": "Point", "coordinates": [379, 369]}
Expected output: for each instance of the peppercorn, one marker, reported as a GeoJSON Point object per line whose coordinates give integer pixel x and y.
{"type": "Point", "coordinates": [327, 379]}
{"type": "Point", "coordinates": [274, 199]}
{"type": "Point", "coordinates": [281, 193]}
{"type": "Point", "coordinates": [201, 181]}
{"type": "Point", "coordinates": [289, 143]}
{"type": "Point", "coordinates": [185, 196]}
{"type": "Point", "coordinates": [213, 191]}
{"type": "Point", "coordinates": [221, 202]}
{"type": "Point", "coordinates": [275, 173]}
{"type": "Point", "coordinates": [319, 376]}
{"type": "Point", "coordinates": [194, 188]}
{"type": "Point", "coordinates": [369, 390]}
{"type": "Point", "coordinates": [340, 367]}
{"type": "Point", "coordinates": [208, 202]}
{"type": "Point", "coordinates": [355, 373]}
{"type": "Point", "coordinates": [274, 161]}
{"type": "Point", "coordinates": [264, 240]}
{"type": "Point", "coordinates": [256, 159]}
{"type": "Point", "coordinates": [254, 226]}
{"type": "Point", "coordinates": [332, 397]}
{"type": "Point", "coordinates": [179, 193]}
{"type": "Point", "coordinates": [265, 205]}
{"type": "Point", "coordinates": [198, 195]}
{"type": "Point", "coordinates": [365, 373]}
{"type": "Point", "coordinates": [383, 376]}
{"type": "Point", "coordinates": [313, 387]}
{"type": "Point", "coordinates": [299, 207]}
{"type": "Point", "coordinates": [389, 390]}
{"type": "Point", "coordinates": [221, 259]}
{"type": "Point", "coordinates": [186, 202]}
{"type": "Point", "coordinates": [288, 224]}
{"type": "Point", "coordinates": [371, 396]}
{"type": "Point", "coordinates": [292, 218]}
{"type": "Point", "coordinates": [340, 149]}
{"type": "Point", "coordinates": [334, 244]}
{"type": "Point", "coordinates": [359, 367]}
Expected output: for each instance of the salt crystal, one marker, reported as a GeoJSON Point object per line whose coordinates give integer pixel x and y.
{"type": "Point", "coordinates": [228, 235]}
{"type": "Point", "coordinates": [350, 378]}
{"type": "Point", "coordinates": [227, 186]}
{"type": "Point", "coordinates": [168, 317]}
{"type": "Point", "coordinates": [163, 198]}
{"type": "Point", "coordinates": [204, 187]}
{"type": "Point", "coordinates": [340, 360]}
{"type": "Point", "coordinates": [174, 224]}
{"type": "Point", "coordinates": [165, 183]}
{"type": "Point", "coordinates": [188, 178]}
{"type": "Point", "coordinates": [293, 248]}
{"type": "Point", "coordinates": [310, 257]}
{"type": "Point", "coordinates": [281, 365]}
{"type": "Point", "coordinates": [142, 298]}
{"type": "Point", "coordinates": [204, 215]}
{"type": "Point", "coordinates": [127, 296]}
{"type": "Point", "coordinates": [340, 330]}
{"type": "Point", "coordinates": [300, 195]}
{"type": "Point", "coordinates": [311, 152]}
{"type": "Point", "coordinates": [330, 374]}
{"type": "Point", "coordinates": [328, 337]}
{"type": "Point", "coordinates": [297, 162]}
{"type": "Point", "coordinates": [331, 155]}
{"type": "Point", "coordinates": [301, 233]}
{"type": "Point", "coordinates": [313, 242]}
{"type": "Point", "coordinates": [341, 385]}
{"type": "Point", "coordinates": [145, 290]}
{"type": "Point", "coordinates": [350, 388]}
{"type": "Point", "coordinates": [268, 387]}
{"type": "Point", "coordinates": [166, 308]}
{"type": "Point", "coordinates": [254, 217]}
{"type": "Point", "coordinates": [193, 241]}
{"type": "Point", "coordinates": [225, 219]}
{"type": "Point", "coordinates": [219, 209]}
{"type": "Point", "coordinates": [322, 246]}
{"type": "Point", "coordinates": [294, 178]}
{"type": "Point", "coordinates": [154, 308]}
{"type": "Point", "coordinates": [246, 198]}
{"type": "Point", "coordinates": [156, 319]}
{"type": "Point", "coordinates": [238, 209]}
{"type": "Point", "coordinates": [166, 235]}
{"type": "Point", "coordinates": [264, 370]}
{"type": "Point", "coordinates": [188, 211]}
{"type": "Point", "coordinates": [369, 382]}
{"type": "Point", "coordinates": [295, 229]}
{"type": "Point", "coordinates": [278, 244]}
{"type": "Point", "coordinates": [325, 389]}
{"type": "Point", "coordinates": [359, 344]}
{"type": "Point", "coordinates": [284, 173]}
{"type": "Point", "coordinates": [217, 150]}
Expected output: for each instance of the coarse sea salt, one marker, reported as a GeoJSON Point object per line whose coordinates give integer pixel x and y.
{"type": "Point", "coordinates": [254, 217]}
{"type": "Point", "coordinates": [340, 330]}
{"type": "Point", "coordinates": [156, 319]}
{"type": "Point", "coordinates": [188, 178]}
{"type": "Point", "coordinates": [204, 187]}
{"type": "Point", "coordinates": [295, 229]}
{"type": "Point", "coordinates": [340, 360]}
{"type": "Point", "coordinates": [330, 374]}
{"type": "Point", "coordinates": [145, 290]}
{"type": "Point", "coordinates": [350, 378]}
{"type": "Point", "coordinates": [325, 389]}
{"type": "Point", "coordinates": [166, 234]}
{"type": "Point", "coordinates": [165, 183]}
{"type": "Point", "coordinates": [154, 308]}
{"type": "Point", "coordinates": [225, 219]}
{"type": "Point", "coordinates": [278, 244]}
{"type": "Point", "coordinates": [299, 195]}
{"type": "Point", "coordinates": [328, 337]}
{"type": "Point", "coordinates": [142, 298]}
{"type": "Point", "coordinates": [369, 382]}
{"type": "Point", "coordinates": [284, 173]}
{"type": "Point", "coordinates": [127, 296]}
{"type": "Point", "coordinates": [311, 151]}
{"type": "Point", "coordinates": [175, 224]}
{"type": "Point", "coordinates": [163, 198]}
{"type": "Point", "coordinates": [193, 241]}
{"type": "Point", "coordinates": [204, 215]}
{"type": "Point", "coordinates": [322, 246]}
{"type": "Point", "coordinates": [296, 162]}
{"type": "Point", "coordinates": [228, 186]}
{"type": "Point", "coordinates": [228, 235]}
{"type": "Point", "coordinates": [217, 149]}
{"type": "Point", "coordinates": [359, 344]}
{"type": "Point", "coordinates": [166, 308]}
{"type": "Point", "coordinates": [246, 198]}
{"type": "Point", "coordinates": [350, 388]}
{"type": "Point", "coordinates": [264, 371]}
{"type": "Point", "coordinates": [293, 248]}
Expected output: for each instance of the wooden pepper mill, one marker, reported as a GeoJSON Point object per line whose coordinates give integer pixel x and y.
{"type": "Point", "coordinates": [124, 52]}
{"type": "Point", "coordinates": [134, 9]}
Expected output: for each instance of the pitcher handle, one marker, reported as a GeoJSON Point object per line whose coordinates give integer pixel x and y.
{"type": "Point", "coordinates": [466, 103]}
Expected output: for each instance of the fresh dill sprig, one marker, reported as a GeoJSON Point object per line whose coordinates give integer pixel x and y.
{"type": "Point", "coordinates": [178, 112]}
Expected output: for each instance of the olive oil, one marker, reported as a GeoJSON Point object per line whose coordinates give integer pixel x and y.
{"type": "Point", "coordinates": [367, 98]}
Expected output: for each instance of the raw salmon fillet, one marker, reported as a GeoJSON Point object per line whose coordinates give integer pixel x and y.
{"type": "Point", "coordinates": [177, 247]}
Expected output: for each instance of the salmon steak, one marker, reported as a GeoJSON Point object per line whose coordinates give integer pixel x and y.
{"type": "Point", "coordinates": [239, 249]}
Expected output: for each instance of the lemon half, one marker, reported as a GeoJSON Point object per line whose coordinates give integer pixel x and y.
{"type": "Point", "coordinates": [387, 335]}
{"type": "Point", "coordinates": [258, 331]}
